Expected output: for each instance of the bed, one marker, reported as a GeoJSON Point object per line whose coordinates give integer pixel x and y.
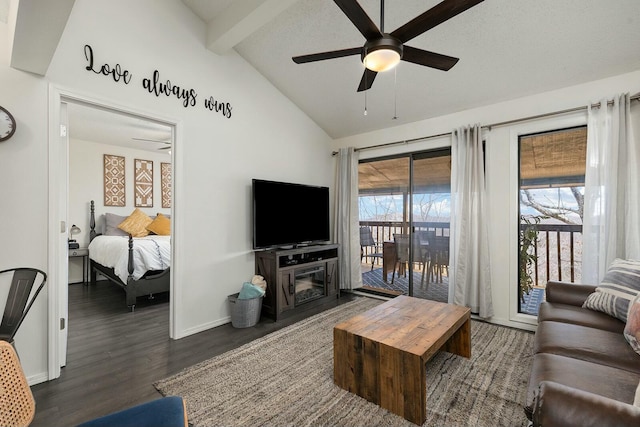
{"type": "Point", "coordinates": [140, 265]}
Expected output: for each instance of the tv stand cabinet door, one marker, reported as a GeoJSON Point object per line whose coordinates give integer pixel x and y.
{"type": "Point", "coordinates": [286, 290]}
{"type": "Point", "coordinates": [332, 277]}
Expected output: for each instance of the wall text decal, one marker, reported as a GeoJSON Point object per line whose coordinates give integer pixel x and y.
{"type": "Point", "coordinates": [116, 72]}
{"type": "Point", "coordinates": [155, 85]}
{"type": "Point", "coordinates": [158, 88]}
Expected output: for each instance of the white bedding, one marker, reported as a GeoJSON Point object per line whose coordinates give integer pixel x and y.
{"type": "Point", "coordinates": [149, 253]}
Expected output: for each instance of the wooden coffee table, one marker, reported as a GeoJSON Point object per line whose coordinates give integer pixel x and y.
{"type": "Point", "coordinates": [381, 354]}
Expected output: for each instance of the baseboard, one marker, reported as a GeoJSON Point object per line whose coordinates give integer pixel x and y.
{"type": "Point", "coordinates": [42, 377]}
{"type": "Point", "coordinates": [510, 323]}
{"type": "Point", "coordinates": [204, 327]}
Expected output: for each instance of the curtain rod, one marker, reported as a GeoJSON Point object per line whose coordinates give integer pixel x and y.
{"type": "Point", "coordinates": [635, 97]}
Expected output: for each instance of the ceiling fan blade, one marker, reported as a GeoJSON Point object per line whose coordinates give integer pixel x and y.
{"type": "Point", "coordinates": [429, 59]}
{"type": "Point", "coordinates": [367, 80]}
{"type": "Point", "coordinates": [359, 18]}
{"type": "Point", "coordinates": [152, 140]}
{"type": "Point", "coordinates": [326, 55]}
{"type": "Point", "coordinates": [432, 17]}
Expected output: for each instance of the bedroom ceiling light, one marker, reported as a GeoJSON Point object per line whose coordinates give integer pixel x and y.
{"type": "Point", "coordinates": [382, 54]}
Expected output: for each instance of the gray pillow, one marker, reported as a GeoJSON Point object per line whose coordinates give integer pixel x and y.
{"type": "Point", "coordinates": [620, 285]}
{"type": "Point", "coordinates": [111, 222]}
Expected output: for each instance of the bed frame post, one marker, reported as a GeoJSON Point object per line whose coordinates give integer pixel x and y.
{"type": "Point", "coordinates": [92, 222]}
{"type": "Point", "coordinates": [92, 234]}
{"type": "Point", "coordinates": [131, 285]}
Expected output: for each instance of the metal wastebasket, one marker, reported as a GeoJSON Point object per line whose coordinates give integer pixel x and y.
{"type": "Point", "coordinates": [245, 312]}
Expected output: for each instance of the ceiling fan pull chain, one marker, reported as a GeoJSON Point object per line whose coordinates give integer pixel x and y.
{"type": "Point", "coordinates": [365, 93]}
{"type": "Point", "coordinates": [395, 93]}
{"type": "Point", "coordinates": [365, 102]}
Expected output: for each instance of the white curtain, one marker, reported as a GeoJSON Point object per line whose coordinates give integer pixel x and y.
{"type": "Point", "coordinates": [347, 232]}
{"type": "Point", "coordinates": [611, 220]}
{"type": "Point", "coordinates": [470, 273]}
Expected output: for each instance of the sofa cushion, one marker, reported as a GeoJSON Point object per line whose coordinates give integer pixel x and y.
{"type": "Point", "coordinates": [632, 328]}
{"type": "Point", "coordinates": [578, 316]}
{"type": "Point", "coordinates": [620, 285]}
{"type": "Point", "coordinates": [592, 345]}
{"type": "Point", "coordinates": [617, 384]}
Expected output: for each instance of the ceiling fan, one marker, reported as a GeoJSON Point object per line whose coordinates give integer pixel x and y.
{"type": "Point", "coordinates": [383, 51]}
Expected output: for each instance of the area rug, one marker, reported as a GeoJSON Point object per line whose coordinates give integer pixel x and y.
{"type": "Point", "coordinates": [286, 379]}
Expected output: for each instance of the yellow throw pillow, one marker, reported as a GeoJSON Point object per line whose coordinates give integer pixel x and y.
{"type": "Point", "coordinates": [160, 226]}
{"type": "Point", "coordinates": [136, 224]}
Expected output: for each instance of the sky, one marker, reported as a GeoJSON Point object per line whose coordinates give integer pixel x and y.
{"type": "Point", "coordinates": [437, 207]}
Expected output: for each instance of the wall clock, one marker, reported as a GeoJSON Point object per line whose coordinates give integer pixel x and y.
{"type": "Point", "coordinates": [7, 124]}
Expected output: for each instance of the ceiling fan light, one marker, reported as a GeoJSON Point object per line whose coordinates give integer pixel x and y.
{"type": "Point", "coordinates": [382, 54]}
{"type": "Point", "coordinates": [381, 60]}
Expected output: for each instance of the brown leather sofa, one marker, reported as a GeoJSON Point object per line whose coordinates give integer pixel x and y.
{"type": "Point", "coordinates": [584, 372]}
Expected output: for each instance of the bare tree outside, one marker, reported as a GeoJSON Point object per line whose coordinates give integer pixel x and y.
{"type": "Point", "coordinates": [432, 207]}
{"type": "Point", "coordinates": [380, 208]}
{"type": "Point", "coordinates": [565, 204]}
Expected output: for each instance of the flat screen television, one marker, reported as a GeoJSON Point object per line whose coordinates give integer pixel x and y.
{"type": "Point", "coordinates": [287, 214]}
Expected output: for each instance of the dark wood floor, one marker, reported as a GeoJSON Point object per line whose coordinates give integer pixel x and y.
{"type": "Point", "coordinates": [114, 356]}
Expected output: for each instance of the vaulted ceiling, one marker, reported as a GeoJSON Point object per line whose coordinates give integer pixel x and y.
{"type": "Point", "coordinates": [507, 49]}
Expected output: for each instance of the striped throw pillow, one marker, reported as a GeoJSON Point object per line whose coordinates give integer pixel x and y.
{"type": "Point", "coordinates": [620, 285]}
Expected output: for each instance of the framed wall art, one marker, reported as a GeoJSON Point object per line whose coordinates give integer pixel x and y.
{"type": "Point", "coordinates": [143, 183]}
{"type": "Point", "coordinates": [165, 184]}
{"type": "Point", "coordinates": [114, 180]}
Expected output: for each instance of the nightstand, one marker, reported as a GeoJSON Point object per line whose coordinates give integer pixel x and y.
{"type": "Point", "coordinates": [84, 253]}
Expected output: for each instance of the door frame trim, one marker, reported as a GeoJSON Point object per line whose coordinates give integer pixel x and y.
{"type": "Point", "coordinates": [58, 182]}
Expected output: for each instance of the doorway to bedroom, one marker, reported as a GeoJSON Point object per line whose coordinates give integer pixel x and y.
{"type": "Point", "coordinates": [121, 163]}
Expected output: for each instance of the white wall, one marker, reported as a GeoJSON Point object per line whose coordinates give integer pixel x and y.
{"type": "Point", "coordinates": [502, 161]}
{"type": "Point", "coordinates": [23, 197]}
{"type": "Point", "coordinates": [86, 183]}
{"type": "Point", "coordinates": [215, 157]}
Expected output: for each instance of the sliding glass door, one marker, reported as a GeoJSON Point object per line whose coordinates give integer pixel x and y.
{"type": "Point", "coordinates": [383, 200]}
{"type": "Point", "coordinates": [404, 224]}
{"type": "Point", "coordinates": [430, 218]}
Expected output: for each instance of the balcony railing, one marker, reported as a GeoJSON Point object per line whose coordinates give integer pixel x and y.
{"type": "Point", "coordinates": [558, 248]}
{"type": "Point", "coordinates": [559, 253]}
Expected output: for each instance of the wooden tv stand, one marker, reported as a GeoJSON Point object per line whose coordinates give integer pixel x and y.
{"type": "Point", "coordinates": [297, 278]}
